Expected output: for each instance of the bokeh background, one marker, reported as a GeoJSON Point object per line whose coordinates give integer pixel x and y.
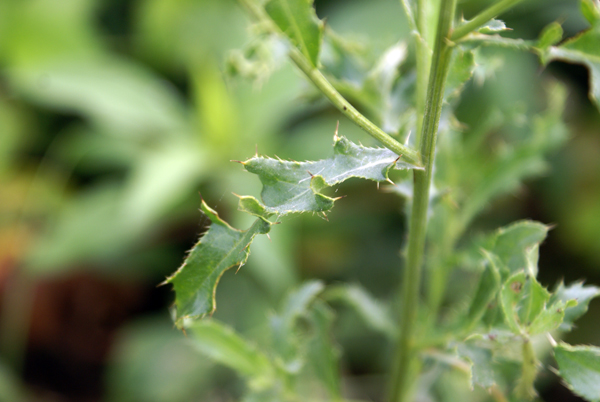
{"type": "Point", "coordinates": [115, 115]}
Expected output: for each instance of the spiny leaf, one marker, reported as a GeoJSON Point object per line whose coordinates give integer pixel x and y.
{"type": "Point", "coordinates": [222, 247]}
{"type": "Point", "coordinates": [292, 187]}
{"type": "Point", "coordinates": [579, 366]}
{"type": "Point", "coordinates": [582, 294]}
{"type": "Point", "coordinates": [298, 20]}
{"type": "Point", "coordinates": [583, 49]}
{"type": "Point", "coordinates": [224, 346]}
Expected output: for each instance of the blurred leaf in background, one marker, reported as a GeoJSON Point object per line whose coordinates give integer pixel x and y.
{"type": "Point", "coordinates": [115, 114]}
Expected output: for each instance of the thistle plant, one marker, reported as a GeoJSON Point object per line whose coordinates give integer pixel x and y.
{"type": "Point", "coordinates": [500, 335]}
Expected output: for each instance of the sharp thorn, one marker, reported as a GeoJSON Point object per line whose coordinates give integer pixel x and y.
{"type": "Point", "coordinates": [335, 134]}
{"type": "Point", "coordinates": [268, 237]}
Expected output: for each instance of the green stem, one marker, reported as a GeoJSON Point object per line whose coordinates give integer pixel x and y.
{"type": "Point", "coordinates": [423, 59]}
{"type": "Point", "coordinates": [483, 17]}
{"type": "Point", "coordinates": [406, 353]}
{"type": "Point", "coordinates": [525, 389]}
{"type": "Point", "coordinates": [319, 80]}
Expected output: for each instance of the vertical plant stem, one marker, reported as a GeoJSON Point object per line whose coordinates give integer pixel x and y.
{"type": "Point", "coordinates": [405, 351]}
{"type": "Point", "coordinates": [525, 390]}
{"type": "Point", "coordinates": [423, 59]}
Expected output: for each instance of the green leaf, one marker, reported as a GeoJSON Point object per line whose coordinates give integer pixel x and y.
{"type": "Point", "coordinates": [579, 366]}
{"type": "Point", "coordinates": [373, 313]}
{"type": "Point", "coordinates": [462, 68]}
{"type": "Point", "coordinates": [224, 346]}
{"type": "Point", "coordinates": [478, 39]}
{"type": "Point", "coordinates": [285, 337]}
{"type": "Point", "coordinates": [258, 59]}
{"type": "Point", "coordinates": [591, 11]}
{"type": "Point", "coordinates": [582, 49]}
{"type": "Point", "coordinates": [298, 20]}
{"type": "Point", "coordinates": [582, 294]}
{"type": "Point", "coordinates": [504, 172]}
{"type": "Point", "coordinates": [550, 318]}
{"type": "Point", "coordinates": [550, 36]}
{"type": "Point", "coordinates": [292, 187]}
{"type": "Point", "coordinates": [221, 248]}
{"type": "Point", "coordinates": [522, 299]}
{"type": "Point", "coordinates": [512, 244]}
{"type": "Point", "coordinates": [481, 359]}
{"type": "Point", "coordinates": [488, 287]}
{"type": "Point", "coordinates": [493, 26]}
{"type": "Point", "coordinates": [323, 355]}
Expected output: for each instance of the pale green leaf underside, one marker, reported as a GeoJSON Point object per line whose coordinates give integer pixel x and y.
{"type": "Point", "coordinates": [222, 247]}
{"type": "Point", "coordinates": [579, 366]}
{"type": "Point", "coordinates": [293, 187]}
{"type": "Point", "coordinates": [493, 26]}
{"type": "Point", "coordinates": [481, 359]}
{"type": "Point", "coordinates": [583, 49]}
{"type": "Point", "coordinates": [298, 20]}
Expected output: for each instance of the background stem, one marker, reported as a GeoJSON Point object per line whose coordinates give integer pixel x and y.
{"type": "Point", "coordinates": [405, 355]}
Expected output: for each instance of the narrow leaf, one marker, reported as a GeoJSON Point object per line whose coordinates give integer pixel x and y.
{"type": "Point", "coordinates": [579, 366]}
{"type": "Point", "coordinates": [550, 36]}
{"type": "Point", "coordinates": [222, 247]}
{"type": "Point", "coordinates": [285, 338]}
{"type": "Point", "coordinates": [292, 187]}
{"type": "Point", "coordinates": [224, 346]}
{"type": "Point", "coordinates": [323, 354]}
{"type": "Point", "coordinates": [298, 20]}
{"type": "Point", "coordinates": [488, 287]}
{"type": "Point", "coordinates": [373, 313]}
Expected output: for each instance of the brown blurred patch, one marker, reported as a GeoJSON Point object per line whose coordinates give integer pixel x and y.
{"type": "Point", "coordinates": [73, 321]}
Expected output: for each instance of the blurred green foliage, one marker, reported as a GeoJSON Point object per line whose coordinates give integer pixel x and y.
{"type": "Point", "coordinates": [115, 114]}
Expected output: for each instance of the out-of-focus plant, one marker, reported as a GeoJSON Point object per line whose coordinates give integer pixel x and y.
{"type": "Point", "coordinates": [502, 322]}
